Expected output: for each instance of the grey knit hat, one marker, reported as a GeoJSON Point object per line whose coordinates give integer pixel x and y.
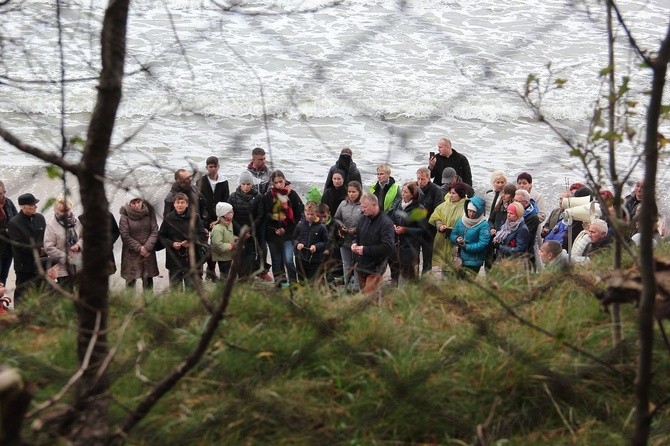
{"type": "Point", "coordinates": [246, 177]}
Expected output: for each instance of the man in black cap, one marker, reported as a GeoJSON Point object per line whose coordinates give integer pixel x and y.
{"type": "Point", "coordinates": [26, 231]}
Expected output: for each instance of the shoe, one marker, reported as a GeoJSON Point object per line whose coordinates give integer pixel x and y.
{"type": "Point", "coordinates": [211, 276]}
{"type": "Point", "coordinates": [265, 277]}
{"type": "Point", "coordinates": [283, 284]}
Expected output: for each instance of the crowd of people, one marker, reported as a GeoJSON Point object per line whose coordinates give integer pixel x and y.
{"type": "Point", "coordinates": [348, 236]}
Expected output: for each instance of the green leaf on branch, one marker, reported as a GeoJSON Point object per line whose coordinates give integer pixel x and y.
{"type": "Point", "coordinates": [48, 204]}
{"type": "Point", "coordinates": [605, 71]}
{"type": "Point", "coordinates": [623, 89]}
{"type": "Point", "coordinates": [54, 172]}
{"type": "Point", "coordinates": [560, 82]}
{"type": "Point", "coordinates": [77, 141]}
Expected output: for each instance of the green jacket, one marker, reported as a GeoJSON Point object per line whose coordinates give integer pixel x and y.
{"type": "Point", "coordinates": [390, 194]}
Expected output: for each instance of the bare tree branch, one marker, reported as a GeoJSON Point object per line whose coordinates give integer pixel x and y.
{"type": "Point", "coordinates": [45, 156]}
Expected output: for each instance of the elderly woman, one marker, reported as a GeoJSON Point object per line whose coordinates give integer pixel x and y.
{"type": "Point", "coordinates": [63, 242]}
{"type": "Point", "coordinates": [279, 211]}
{"type": "Point", "coordinates": [493, 196]}
{"type": "Point", "coordinates": [139, 233]}
{"type": "Point", "coordinates": [409, 223]}
{"type": "Point", "coordinates": [512, 238]}
{"type": "Point", "coordinates": [445, 216]}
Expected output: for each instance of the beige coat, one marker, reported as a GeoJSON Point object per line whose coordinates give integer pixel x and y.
{"type": "Point", "coordinates": [55, 241]}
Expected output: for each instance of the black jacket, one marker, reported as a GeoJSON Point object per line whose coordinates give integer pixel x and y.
{"type": "Point", "coordinates": [431, 197]}
{"type": "Point", "coordinates": [351, 173]}
{"type": "Point", "coordinates": [220, 193]}
{"type": "Point", "coordinates": [459, 163]}
{"type": "Point", "coordinates": [414, 218]}
{"type": "Point", "coordinates": [10, 212]}
{"type": "Point", "coordinates": [376, 235]}
{"type": "Point", "coordinates": [194, 198]}
{"type": "Point", "coordinates": [27, 234]}
{"type": "Point", "coordinates": [175, 228]}
{"type": "Point", "coordinates": [266, 213]}
{"type": "Point", "coordinates": [310, 234]}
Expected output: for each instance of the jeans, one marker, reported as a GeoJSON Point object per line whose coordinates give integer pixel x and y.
{"type": "Point", "coordinates": [281, 254]}
{"type": "Point", "coordinates": [348, 266]}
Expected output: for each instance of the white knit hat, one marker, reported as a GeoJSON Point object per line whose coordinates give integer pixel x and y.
{"type": "Point", "coordinates": [223, 208]}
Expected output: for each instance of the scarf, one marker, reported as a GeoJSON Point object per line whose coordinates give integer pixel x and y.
{"type": "Point", "coordinates": [404, 204]}
{"type": "Point", "coordinates": [68, 222]}
{"type": "Point", "coordinates": [507, 228]}
{"type": "Point", "coordinates": [281, 207]}
{"type": "Point", "coordinates": [471, 222]}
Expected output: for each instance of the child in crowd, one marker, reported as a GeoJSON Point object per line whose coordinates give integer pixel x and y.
{"type": "Point", "coordinates": [332, 258]}
{"type": "Point", "coordinates": [175, 235]}
{"type": "Point", "coordinates": [242, 200]}
{"type": "Point", "coordinates": [310, 240]}
{"type": "Point", "coordinates": [223, 238]}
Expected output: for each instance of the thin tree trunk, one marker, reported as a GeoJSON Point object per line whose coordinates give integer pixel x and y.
{"type": "Point", "coordinates": [92, 305]}
{"type": "Point", "coordinates": [649, 214]}
{"type": "Point", "coordinates": [615, 311]}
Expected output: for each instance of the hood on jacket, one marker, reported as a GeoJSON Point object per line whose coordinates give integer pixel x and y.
{"type": "Point", "coordinates": [344, 161]}
{"type": "Point", "coordinates": [478, 203]}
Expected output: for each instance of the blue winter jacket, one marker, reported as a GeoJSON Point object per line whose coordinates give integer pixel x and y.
{"type": "Point", "coordinates": [477, 238]}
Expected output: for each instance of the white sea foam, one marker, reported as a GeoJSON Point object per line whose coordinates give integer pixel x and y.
{"type": "Point", "coordinates": [387, 78]}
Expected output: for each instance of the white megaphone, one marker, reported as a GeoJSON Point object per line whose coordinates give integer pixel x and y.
{"type": "Point", "coordinates": [570, 202]}
{"type": "Point", "coordinates": [585, 212]}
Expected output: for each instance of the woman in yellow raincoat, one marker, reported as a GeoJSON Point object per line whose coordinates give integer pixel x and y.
{"type": "Point", "coordinates": [444, 217]}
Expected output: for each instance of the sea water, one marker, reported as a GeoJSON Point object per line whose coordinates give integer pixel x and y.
{"type": "Point", "coordinates": [302, 79]}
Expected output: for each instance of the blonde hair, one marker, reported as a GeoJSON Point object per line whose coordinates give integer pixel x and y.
{"type": "Point", "coordinates": [385, 168]}
{"type": "Point", "coordinates": [62, 204]}
{"type": "Point", "coordinates": [498, 174]}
